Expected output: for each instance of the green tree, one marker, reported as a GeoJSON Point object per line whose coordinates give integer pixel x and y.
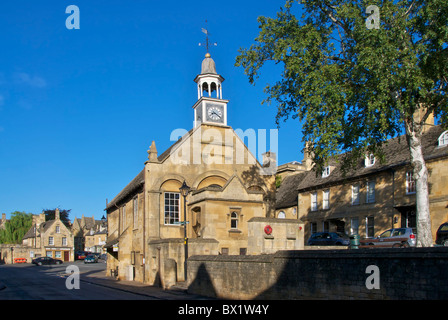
{"type": "Point", "coordinates": [16, 227]}
{"type": "Point", "coordinates": [356, 77]}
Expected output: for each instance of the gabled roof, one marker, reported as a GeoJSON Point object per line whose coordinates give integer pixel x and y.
{"type": "Point", "coordinates": [137, 182]}
{"type": "Point", "coordinates": [286, 195]}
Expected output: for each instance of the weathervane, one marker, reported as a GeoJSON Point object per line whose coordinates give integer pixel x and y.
{"type": "Point", "coordinates": [207, 43]}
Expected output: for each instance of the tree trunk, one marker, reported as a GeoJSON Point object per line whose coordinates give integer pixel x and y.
{"type": "Point", "coordinates": [420, 172]}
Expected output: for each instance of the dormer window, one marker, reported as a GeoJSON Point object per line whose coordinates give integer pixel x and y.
{"type": "Point", "coordinates": [443, 139]}
{"type": "Point", "coordinates": [326, 172]}
{"type": "Point", "coordinates": [369, 160]}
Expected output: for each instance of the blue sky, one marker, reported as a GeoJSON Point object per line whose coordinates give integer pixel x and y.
{"type": "Point", "coordinates": [79, 108]}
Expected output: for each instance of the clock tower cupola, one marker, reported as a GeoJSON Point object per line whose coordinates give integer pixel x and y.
{"type": "Point", "coordinates": [210, 108]}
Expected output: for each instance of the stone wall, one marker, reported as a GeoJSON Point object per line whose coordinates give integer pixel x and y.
{"type": "Point", "coordinates": [286, 234]}
{"type": "Point", "coordinates": [412, 273]}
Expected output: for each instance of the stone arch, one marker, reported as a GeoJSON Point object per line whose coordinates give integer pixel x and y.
{"type": "Point", "coordinates": [207, 174]}
{"type": "Point", "coordinates": [164, 179]}
{"type": "Point", "coordinates": [213, 180]}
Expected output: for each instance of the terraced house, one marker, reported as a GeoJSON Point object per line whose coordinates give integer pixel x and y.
{"type": "Point", "coordinates": [372, 197]}
{"type": "Point", "coordinates": [48, 238]}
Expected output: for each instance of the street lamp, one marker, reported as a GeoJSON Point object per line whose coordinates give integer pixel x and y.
{"type": "Point", "coordinates": [184, 190]}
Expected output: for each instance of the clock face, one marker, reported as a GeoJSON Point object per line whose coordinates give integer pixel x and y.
{"type": "Point", "coordinates": [215, 113]}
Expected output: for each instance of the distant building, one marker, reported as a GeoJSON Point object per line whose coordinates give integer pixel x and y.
{"type": "Point", "coordinates": [48, 238]}
{"type": "Point", "coordinates": [89, 234]}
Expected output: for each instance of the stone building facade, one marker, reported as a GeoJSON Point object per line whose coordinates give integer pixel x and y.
{"type": "Point", "coordinates": [48, 238]}
{"type": "Point", "coordinates": [152, 228]}
{"type": "Point", "coordinates": [372, 197]}
{"type": "Point", "coordinates": [89, 234]}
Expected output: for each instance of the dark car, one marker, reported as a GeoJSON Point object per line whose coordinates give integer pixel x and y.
{"type": "Point", "coordinates": [91, 258]}
{"type": "Point", "coordinates": [81, 255]}
{"type": "Point", "coordinates": [442, 235]}
{"type": "Point", "coordinates": [329, 239]}
{"type": "Point", "coordinates": [45, 260]}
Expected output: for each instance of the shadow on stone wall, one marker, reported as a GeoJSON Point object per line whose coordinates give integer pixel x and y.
{"type": "Point", "coordinates": [403, 274]}
{"type": "Point", "coordinates": [203, 283]}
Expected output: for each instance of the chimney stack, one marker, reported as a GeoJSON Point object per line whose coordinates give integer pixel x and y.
{"type": "Point", "coordinates": [57, 215]}
{"type": "Point", "coordinates": [269, 162]}
{"type": "Point", "coordinates": [308, 156]}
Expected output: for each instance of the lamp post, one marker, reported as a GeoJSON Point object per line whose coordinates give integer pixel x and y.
{"type": "Point", "coordinates": [184, 190]}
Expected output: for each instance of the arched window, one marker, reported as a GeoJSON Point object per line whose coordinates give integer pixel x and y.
{"type": "Point", "coordinates": [234, 220]}
{"type": "Point", "coordinates": [281, 215]}
{"type": "Point", "coordinates": [443, 139]}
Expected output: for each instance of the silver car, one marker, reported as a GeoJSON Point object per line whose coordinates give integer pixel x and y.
{"type": "Point", "coordinates": [395, 238]}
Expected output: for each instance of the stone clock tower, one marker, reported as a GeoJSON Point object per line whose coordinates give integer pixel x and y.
{"type": "Point", "coordinates": [210, 108]}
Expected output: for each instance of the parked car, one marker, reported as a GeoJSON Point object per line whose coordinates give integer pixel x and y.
{"type": "Point", "coordinates": [392, 238]}
{"type": "Point", "coordinates": [442, 235]}
{"type": "Point", "coordinates": [45, 260]}
{"type": "Point", "coordinates": [329, 239]}
{"type": "Point", "coordinates": [81, 255]}
{"type": "Point", "coordinates": [91, 258]}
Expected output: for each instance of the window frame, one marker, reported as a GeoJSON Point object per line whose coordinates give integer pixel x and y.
{"type": "Point", "coordinates": [370, 228]}
{"type": "Point", "coordinates": [443, 139]}
{"type": "Point", "coordinates": [410, 183]}
{"type": "Point", "coordinates": [326, 172]}
{"type": "Point", "coordinates": [170, 216]}
{"type": "Point", "coordinates": [123, 217]}
{"type": "Point", "coordinates": [313, 205]}
{"type": "Point", "coordinates": [234, 219]}
{"type": "Point", "coordinates": [356, 200]}
{"type": "Point", "coordinates": [135, 208]}
{"type": "Point", "coordinates": [370, 195]}
{"type": "Point", "coordinates": [326, 199]}
{"type": "Point", "coordinates": [369, 161]}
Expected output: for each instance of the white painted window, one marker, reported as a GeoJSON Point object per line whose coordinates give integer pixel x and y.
{"type": "Point", "coordinates": [172, 207]}
{"type": "Point", "coordinates": [410, 182]}
{"type": "Point", "coordinates": [369, 160]}
{"type": "Point", "coordinates": [326, 199]}
{"type": "Point", "coordinates": [314, 201]}
{"type": "Point", "coordinates": [355, 194]}
{"type": "Point", "coordinates": [326, 172]}
{"type": "Point", "coordinates": [370, 192]}
{"type": "Point", "coordinates": [443, 139]}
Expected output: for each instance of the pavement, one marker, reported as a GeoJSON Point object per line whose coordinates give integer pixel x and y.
{"type": "Point", "coordinates": [175, 293]}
